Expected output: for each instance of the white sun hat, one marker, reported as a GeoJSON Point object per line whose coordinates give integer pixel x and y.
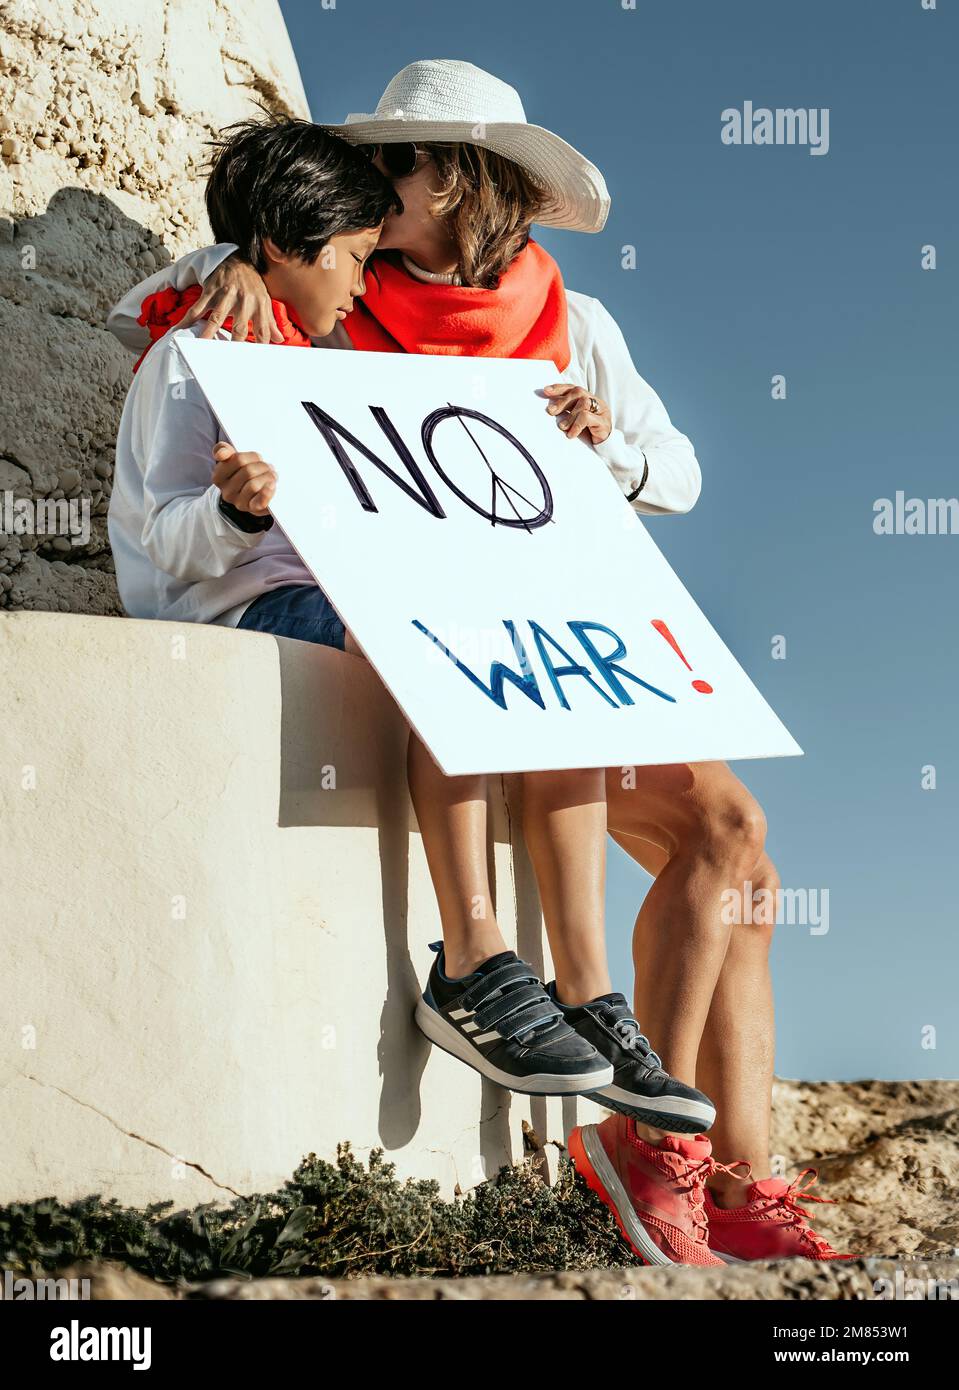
{"type": "Point", "coordinates": [446, 101]}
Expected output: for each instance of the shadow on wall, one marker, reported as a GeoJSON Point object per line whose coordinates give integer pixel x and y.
{"type": "Point", "coordinates": [330, 702]}
{"type": "Point", "coordinates": [65, 380]}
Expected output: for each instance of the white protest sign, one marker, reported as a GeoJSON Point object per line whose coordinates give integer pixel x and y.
{"type": "Point", "coordinates": [489, 567]}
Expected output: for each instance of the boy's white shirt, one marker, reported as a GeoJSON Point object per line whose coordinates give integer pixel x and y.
{"type": "Point", "coordinates": [178, 557]}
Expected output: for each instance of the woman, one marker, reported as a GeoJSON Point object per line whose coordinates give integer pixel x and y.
{"type": "Point", "coordinates": [457, 272]}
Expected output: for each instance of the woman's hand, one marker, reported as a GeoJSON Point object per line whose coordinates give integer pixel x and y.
{"type": "Point", "coordinates": [579, 411]}
{"type": "Point", "coordinates": [235, 290]}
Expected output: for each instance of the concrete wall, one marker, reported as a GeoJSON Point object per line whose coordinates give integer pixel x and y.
{"type": "Point", "coordinates": [215, 921]}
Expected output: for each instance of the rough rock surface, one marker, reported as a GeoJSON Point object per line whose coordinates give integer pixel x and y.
{"type": "Point", "coordinates": [782, 1280]}
{"type": "Point", "coordinates": [888, 1154]}
{"type": "Point", "coordinates": [886, 1151]}
{"type": "Point", "coordinates": [105, 108]}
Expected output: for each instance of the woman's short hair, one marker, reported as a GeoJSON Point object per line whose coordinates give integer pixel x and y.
{"type": "Point", "coordinates": [294, 182]}
{"type": "Point", "coordinates": [488, 202]}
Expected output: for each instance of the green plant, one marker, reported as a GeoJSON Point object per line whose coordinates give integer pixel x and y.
{"type": "Point", "coordinates": [337, 1220]}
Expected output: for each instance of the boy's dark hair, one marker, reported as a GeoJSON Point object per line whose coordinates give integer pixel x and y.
{"type": "Point", "coordinates": [294, 182]}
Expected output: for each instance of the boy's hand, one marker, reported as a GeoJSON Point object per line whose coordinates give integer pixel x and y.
{"type": "Point", "coordinates": [243, 479]}
{"type": "Point", "coordinates": [235, 290]}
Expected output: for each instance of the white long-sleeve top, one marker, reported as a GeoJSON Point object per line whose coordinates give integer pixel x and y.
{"type": "Point", "coordinates": [643, 439]}
{"type": "Point", "coordinates": [178, 555]}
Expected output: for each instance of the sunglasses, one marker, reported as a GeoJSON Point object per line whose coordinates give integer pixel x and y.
{"type": "Point", "coordinates": [399, 160]}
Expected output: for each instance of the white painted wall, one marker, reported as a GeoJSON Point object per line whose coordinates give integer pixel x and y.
{"type": "Point", "coordinates": [208, 956]}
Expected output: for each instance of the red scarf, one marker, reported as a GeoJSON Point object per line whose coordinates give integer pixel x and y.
{"type": "Point", "coordinates": [525, 316]}
{"type": "Point", "coordinates": [161, 311]}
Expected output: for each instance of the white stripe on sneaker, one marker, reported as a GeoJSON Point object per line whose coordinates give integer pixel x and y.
{"type": "Point", "coordinates": [450, 1039]}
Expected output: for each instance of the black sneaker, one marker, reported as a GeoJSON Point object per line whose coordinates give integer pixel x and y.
{"type": "Point", "coordinates": [501, 1021]}
{"type": "Point", "coordinates": [640, 1087]}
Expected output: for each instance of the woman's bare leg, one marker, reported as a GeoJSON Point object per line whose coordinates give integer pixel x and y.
{"type": "Point", "coordinates": [703, 994]}
{"type": "Point", "coordinates": [737, 1052]}
{"type": "Point", "coordinates": [564, 823]}
{"type": "Point", "coordinates": [699, 818]}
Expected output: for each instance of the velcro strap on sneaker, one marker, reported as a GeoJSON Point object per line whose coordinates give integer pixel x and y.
{"type": "Point", "coordinates": [492, 1011]}
{"type": "Point", "coordinates": [512, 972]}
{"type": "Point", "coordinates": [535, 1017]}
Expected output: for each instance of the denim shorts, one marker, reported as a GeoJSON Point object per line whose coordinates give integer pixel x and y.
{"type": "Point", "coordinates": [296, 610]}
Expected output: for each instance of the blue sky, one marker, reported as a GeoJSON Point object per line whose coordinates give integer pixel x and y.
{"type": "Point", "coordinates": [753, 261]}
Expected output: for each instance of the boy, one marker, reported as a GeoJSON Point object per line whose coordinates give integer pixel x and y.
{"type": "Point", "coordinates": [188, 520]}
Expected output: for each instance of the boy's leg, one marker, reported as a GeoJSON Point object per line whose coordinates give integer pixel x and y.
{"type": "Point", "coordinates": [564, 824]}
{"type": "Point", "coordinates": [482, 1003]}
{"type": "Point", "coordinates": [451, 813]}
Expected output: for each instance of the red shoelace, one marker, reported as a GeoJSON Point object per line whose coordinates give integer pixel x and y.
{"type": "Point", "coordinates": [699, 1173]}
{"type": "Point", "coordinates": [795, 1194]}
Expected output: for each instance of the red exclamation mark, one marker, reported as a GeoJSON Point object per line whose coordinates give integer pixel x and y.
{"type": "Point", "coordinates": [703, 687]}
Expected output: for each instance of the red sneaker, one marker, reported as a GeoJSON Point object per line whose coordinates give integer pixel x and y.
{"type": "Point", "coordinates": [771, 1226]}
{"type": "Point", "coordinates": [656, 1194]}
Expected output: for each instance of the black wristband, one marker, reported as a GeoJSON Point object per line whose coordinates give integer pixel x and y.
{"type": "Point", "coordinates": [246, 521]}
{"type": "Point", "coordinates": [631, 497]}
